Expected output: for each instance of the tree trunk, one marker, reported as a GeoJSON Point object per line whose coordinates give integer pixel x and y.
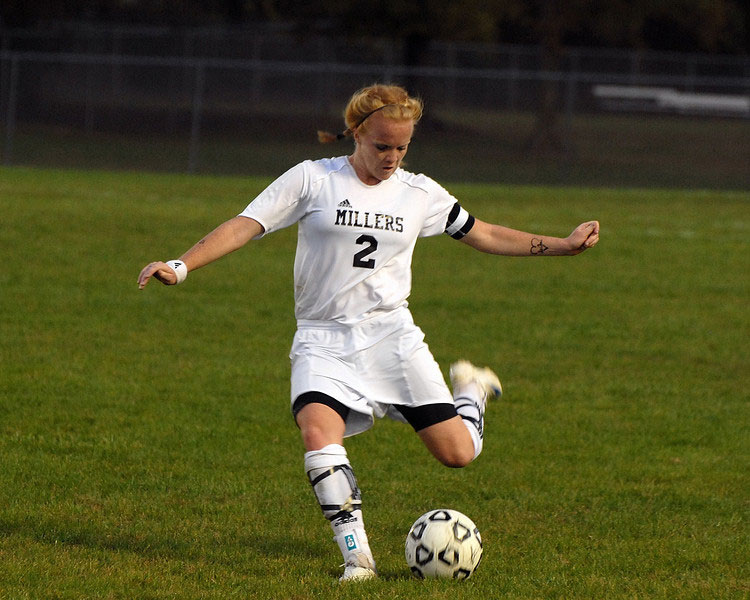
{"type": "Point", "coordinates": [547, 137]}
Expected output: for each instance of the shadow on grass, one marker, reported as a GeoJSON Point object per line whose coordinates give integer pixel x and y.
{"type": "Point", "coordinates": [221, 549]}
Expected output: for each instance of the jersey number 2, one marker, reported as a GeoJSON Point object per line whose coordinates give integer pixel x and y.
{"type": "Point", "coordinates": [371, 244]}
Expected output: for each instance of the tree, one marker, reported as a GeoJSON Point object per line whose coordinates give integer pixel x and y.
{"type": "Point", "coordinates": [553, 25]}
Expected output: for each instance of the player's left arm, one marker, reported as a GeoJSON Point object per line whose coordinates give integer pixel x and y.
{"type": "Point", "coordinates": [496, 239]}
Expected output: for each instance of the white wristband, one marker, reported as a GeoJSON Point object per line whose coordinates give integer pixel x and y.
{"type": "Point", "coordinates": [179, 268]}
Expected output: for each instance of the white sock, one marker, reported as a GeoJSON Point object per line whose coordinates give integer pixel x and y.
{"type": "Point", "coordinates": [336, 489]}
{"type": "Point", "coordinates": [468, 401]}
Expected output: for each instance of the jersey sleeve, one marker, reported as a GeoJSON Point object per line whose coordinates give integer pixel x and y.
{"type": "Point", "coordinates": [281, 204]}
{"type": "Point", "coordinates": [445, 214]}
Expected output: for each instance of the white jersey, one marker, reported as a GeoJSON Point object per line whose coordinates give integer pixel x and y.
{"type": "Point", "coordinates": [355, 241]}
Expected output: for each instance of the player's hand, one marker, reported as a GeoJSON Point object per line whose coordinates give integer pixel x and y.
{"type": "Point", "coordinates": [584, 237]}
{"type": "Point", "coordinates": [158, 270]}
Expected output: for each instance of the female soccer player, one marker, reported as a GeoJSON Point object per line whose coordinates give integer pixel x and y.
{"type": "Point", "coordinates": [357, 353]}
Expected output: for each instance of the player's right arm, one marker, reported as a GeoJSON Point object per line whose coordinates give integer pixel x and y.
{"type": "Point", "coordinates": [226, 238]}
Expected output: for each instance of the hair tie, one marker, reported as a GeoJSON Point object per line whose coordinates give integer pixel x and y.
{"type": "Point", "coordinates": [325, 137]}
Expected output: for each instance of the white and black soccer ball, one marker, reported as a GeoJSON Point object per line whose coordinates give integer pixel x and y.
{"type": "Point", "coordinates": [443, 543]}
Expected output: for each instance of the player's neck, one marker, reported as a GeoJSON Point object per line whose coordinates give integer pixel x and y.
{"type": "Point", "coordinates": [362, 172]}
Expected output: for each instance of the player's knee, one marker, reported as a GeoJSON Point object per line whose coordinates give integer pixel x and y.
{"type": "Point", "coordinates": [320, 426]}
{"type": "Point", "coordinates": [450, 443]}
{"type": "Point", "coordinates": [314, 437]}
{"type": "Point", "coordinates": [456, 457]}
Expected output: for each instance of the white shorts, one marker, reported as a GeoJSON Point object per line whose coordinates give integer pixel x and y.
{"type": "Point", "coordinates": [368, 367]}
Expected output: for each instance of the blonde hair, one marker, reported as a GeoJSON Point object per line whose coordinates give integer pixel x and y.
{"type": "Point", "coordinates": [392, 100]}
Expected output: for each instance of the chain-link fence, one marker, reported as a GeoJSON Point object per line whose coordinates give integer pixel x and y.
{"type": "Point", "coordinates": [229, 101]}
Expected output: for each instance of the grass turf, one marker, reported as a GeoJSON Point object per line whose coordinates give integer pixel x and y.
{"type": "Point", "coordinates": [148, 450]}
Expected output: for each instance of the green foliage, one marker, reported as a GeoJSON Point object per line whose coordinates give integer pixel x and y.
{"type": "Point", "coordinates": [681, 25]}
{"type": "Point", "coordinates": [148, 451]}
{"type": "Point", "coordinates": [688, 25]}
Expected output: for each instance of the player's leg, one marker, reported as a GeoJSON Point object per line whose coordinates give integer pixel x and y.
{"type": "Point", "coordinates": [322, 423]}
{"type": "Point", "coordinates": [442, 431]}
{"type": "Point", "coordinates": [319, 425]}
{"type": "Point", "coordinates": [472, 388]}
{"type": "Point", "coordinates": [450, 442]}
{"type": "Point", "coordinates": [454, 434]}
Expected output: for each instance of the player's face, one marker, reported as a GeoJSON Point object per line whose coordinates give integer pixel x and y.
{"type": "Point", "coordinates": [381, 148]}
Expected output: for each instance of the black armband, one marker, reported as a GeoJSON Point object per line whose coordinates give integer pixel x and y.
{"type": "Point", "coordinates": [459, 222]}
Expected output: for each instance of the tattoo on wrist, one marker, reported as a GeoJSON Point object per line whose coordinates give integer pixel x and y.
{"type": "Point", "coordinates": [537, 246]}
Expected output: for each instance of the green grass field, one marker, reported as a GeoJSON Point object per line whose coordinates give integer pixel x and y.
{"type": "Point", "coordinates": [148, 451]}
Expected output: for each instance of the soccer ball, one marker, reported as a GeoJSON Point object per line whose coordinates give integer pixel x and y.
{"type": "Point", "coordinates": [443, 543]}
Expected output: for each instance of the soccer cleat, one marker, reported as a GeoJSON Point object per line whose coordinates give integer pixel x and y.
{"type": "Point", "coordinates": [359, 567]}
{"type": "Point", "coordinates": [463, 373]}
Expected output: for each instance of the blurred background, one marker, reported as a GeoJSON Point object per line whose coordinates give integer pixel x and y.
{"type": "Point", "coordinates": [579, 92]}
